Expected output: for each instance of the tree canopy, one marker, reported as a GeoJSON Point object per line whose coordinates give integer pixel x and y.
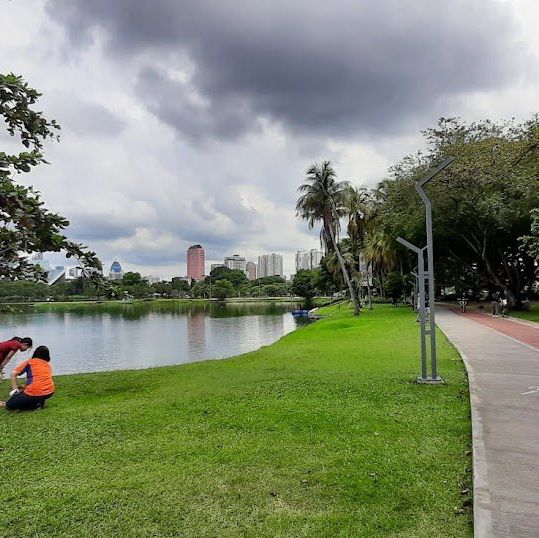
{"type": "Point", "coordinates": [26, 226]}
{"type": "Point", "coordinates": [481, 203]}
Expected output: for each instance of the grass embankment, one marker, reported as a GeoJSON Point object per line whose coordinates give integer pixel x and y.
{"type": "Point", "coordinates": [320, 434]}
{"type": "Point", "coordinates": [532, 314]}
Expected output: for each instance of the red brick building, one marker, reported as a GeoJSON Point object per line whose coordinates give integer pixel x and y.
{"type": "Point", "coordinates": [195, 262]}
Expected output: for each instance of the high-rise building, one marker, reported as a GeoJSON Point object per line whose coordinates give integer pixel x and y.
{"type": "Point", "coordinates": [56, 275]}
{"type": "Point", "coordinates": [315, 258]}
{"type": "Point", "coordinates": [195, 262]}
{"type": "Point", "coordinates": [216, 265]}
{"type": "Point", "coordinates": [270, 265]}
{"type": "Point", "coordinates": [250, 270]}
{"type": "Point", "coordinates": [116, 272]}
{"type": "Point", "coordinates": [76, 272]}
{"type": "Point", "coordinates": [235, 262]}
{"type": "Point", "coordinates": [303, 260]}
{"type": "Point", "coordinates": [308, 259]}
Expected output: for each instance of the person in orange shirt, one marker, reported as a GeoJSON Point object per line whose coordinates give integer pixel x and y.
{"type": "Point", "coordinates": [39, 384]}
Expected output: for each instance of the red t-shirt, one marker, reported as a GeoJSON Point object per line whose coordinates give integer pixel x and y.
{"type": "Point", "coordinates": [9, 345]}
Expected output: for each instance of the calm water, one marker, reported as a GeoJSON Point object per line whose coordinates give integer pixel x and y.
{"type": "Point", "coordinates": [94, 338]}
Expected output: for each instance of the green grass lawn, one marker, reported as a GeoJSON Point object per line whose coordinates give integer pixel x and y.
{"type": "Point", "coordinates": [532, 314]}
{"type": "Point", "coordinates": [321, 434]}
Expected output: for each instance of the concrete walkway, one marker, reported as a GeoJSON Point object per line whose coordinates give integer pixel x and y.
{"type": "Point", "coordinates": [504, 387]}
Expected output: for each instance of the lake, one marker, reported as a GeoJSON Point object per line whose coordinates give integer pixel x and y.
{"type": "Point", "coordinates": [115, 336]}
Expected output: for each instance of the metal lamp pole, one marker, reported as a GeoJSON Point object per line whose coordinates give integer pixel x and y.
{"type": "Point", "coordinates": [423, 275]}
{"type": "Point", "coordinates": [422, 309]}
{"type": "Point", "coordinates": [430, 261]}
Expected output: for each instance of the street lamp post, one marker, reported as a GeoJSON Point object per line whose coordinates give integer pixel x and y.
{"type": "Point", "coordinates": [428, 275]}
{"type": "Point", "coordinates": [422, 310]}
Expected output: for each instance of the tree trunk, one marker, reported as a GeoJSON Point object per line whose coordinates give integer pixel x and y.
{"type": "Point", "coordinates": [382, 283]}
{"type": "Point", "coordinates": [351, 290]}
{"type": "Point", "coordinates": [369, 300]}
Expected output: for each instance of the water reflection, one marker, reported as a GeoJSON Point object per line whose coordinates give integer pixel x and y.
{"type": "Point", "coordinates": [196, 333]}
{"type": "Point", "coordinates": [85, 338]}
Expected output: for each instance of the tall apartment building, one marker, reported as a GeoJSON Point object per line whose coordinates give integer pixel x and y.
{"type": "Point", "coordinates": [315, 257]}
{"type": "Point", "coordinates": [250, 270]}
{"type": "Point", "coordinates": [303, 260]}
{"type": "Point", "coordinates": [195, 262]}
{"type": "Point", "coordinates": [235, 262]}
{"type": "Point", "coordinates": [270, 265]}
{"type": "Point", "coordinates": [308, 259]}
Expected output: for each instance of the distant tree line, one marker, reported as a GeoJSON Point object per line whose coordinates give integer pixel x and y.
{"type": "Point", "coordinates": [221, 284]}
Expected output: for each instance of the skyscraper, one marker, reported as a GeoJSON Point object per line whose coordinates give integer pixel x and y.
{"type": "Point", "coordinates": [250, 270]}
{"type": "Point", "coordinates": [116, 272]}
{"type": "Point", "coordinates": [308, 259]}
{"type": "Point", "coordinates": [303, 260]}
{"type": "Point", "coordinates": [270, 265]}
{"type": "Point", "coordinates": [235, 262]}
{"type": "Point", "coordinates": [195, 262]}
{"type": "Point", "coordinates": [315, 258]}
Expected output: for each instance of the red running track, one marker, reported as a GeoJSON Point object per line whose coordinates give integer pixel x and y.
{"type": "Point", "coordinates": [519, 331]}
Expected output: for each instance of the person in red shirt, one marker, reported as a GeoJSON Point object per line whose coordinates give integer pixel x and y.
{"type": "Point", "coordinates": [10, 347]}
{"type": "Point", "coordinates": [39, 384]}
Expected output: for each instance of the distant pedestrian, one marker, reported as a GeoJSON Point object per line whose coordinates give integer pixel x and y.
{"type": "Point", "coordinates": [503, 306]}
{"type": "Point", "coordinates": [495, 303]}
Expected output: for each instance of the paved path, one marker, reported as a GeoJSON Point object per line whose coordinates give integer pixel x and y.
{"type": "Point", "coordinates": [504, 388]}
{"type": "Point", "coordinates": [523, 330]}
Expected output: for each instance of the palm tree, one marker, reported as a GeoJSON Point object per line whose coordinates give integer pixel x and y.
{"type": "Point", "coordinates": [334, 267]}
{"type": "Point", "coordinates": [322, 199]}
{"type": "Point", "coordinates": [379, 253]}
{"type": "Point", "coordinates": [358, 209]}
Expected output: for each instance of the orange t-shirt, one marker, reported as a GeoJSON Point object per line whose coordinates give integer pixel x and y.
{"type": "Point", "coordinates": [38, 377]}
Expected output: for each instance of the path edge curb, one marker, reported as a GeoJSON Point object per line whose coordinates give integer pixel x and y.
{"type": "Point", "coordinates": [482, 516]}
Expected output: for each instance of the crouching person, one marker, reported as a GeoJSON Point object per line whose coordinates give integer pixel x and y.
{"type": "Point", "coordinates": [39, 384]}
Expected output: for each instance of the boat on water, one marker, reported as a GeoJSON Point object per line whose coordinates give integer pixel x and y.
{"type": "Point", "coordinates": [302, 313]}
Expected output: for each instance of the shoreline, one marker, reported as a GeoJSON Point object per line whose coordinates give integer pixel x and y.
{"type": "Point", "coordinates": [228, 300]}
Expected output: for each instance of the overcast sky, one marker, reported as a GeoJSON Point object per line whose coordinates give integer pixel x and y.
{"type": "Point", "coordinates": [193, 121]}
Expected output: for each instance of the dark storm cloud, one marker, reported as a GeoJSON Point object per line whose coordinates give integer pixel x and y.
{"type": "Point", "coordinates": [172, 103]}
{"type": "Point", "coordinates": [333, 68]}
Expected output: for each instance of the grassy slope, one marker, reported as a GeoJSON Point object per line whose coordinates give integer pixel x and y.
{"type": "Point", "coordinates": [531, 314]}
{"type": "Point", "coordinates": [321, 434]}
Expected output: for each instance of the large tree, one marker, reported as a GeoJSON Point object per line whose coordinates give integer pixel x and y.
{"type": "Point", "coordinates": [322, 200]}
{"type": "Point", "coordinates": [26, 226]}
{"type": "Point", "coordinates": [481, 203]}
{"type": "Point", "coordinates": [305, 285]}
{"type": "Point", "coordinates": [530, 242]}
